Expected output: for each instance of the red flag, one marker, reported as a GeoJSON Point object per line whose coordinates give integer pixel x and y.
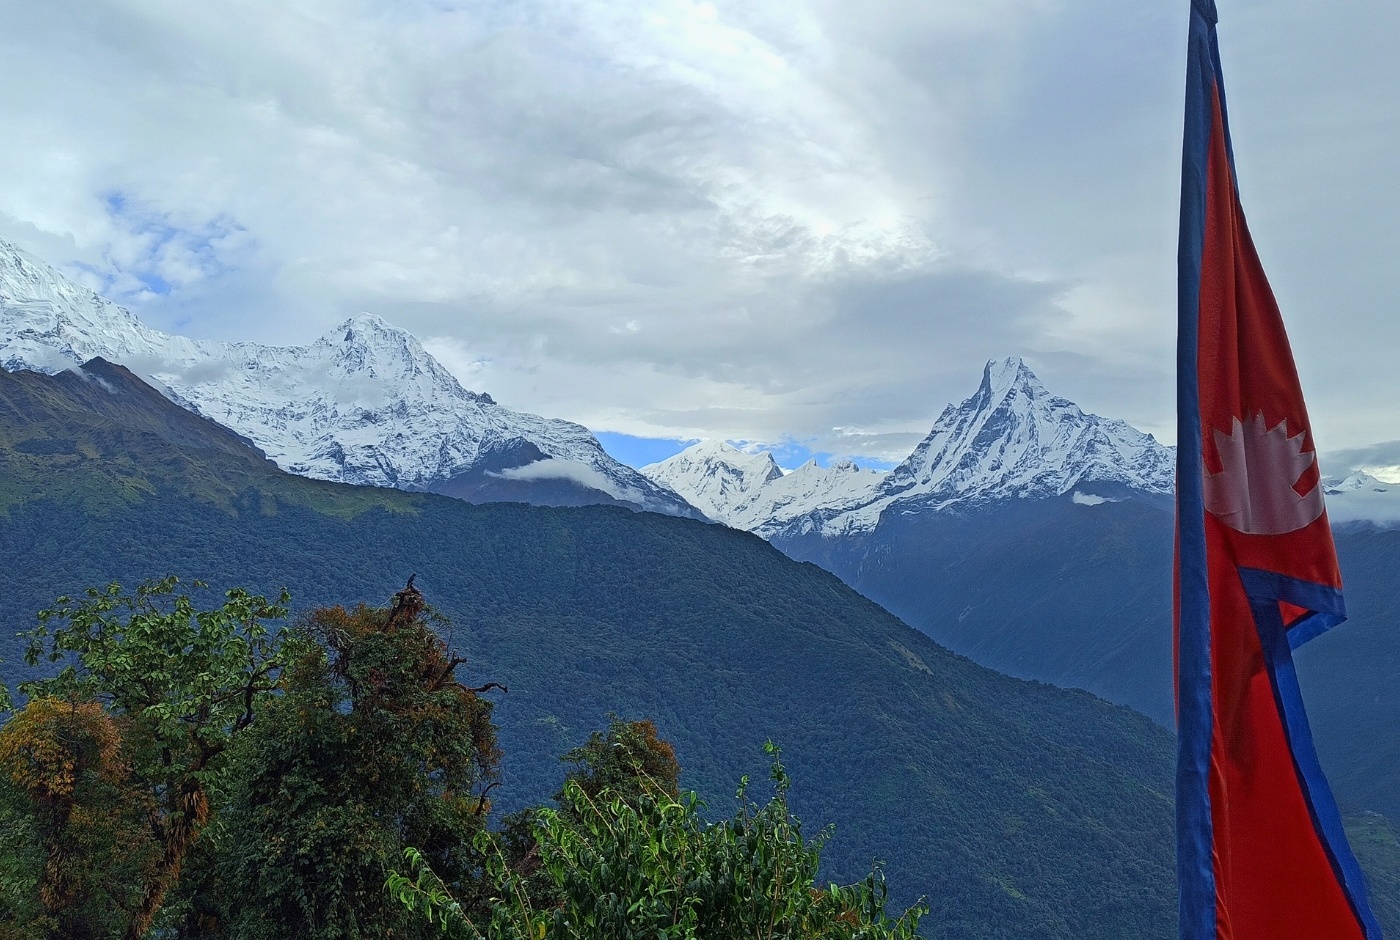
{"type": "Point", "coordinates": [1260, 850]}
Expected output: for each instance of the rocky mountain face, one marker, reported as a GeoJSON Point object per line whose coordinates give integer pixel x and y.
{"type": "Point", "coordinates": [363, 404]}
{"type": "Point", "coordinates": [1011, 440]}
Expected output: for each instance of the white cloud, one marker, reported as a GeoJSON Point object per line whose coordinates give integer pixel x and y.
{"type": "Point", "coordinates": [684, 219]}
{"type": "Point", "coordinates": [557, 468]}
{"type": "Point", "coordinates": [1389, 473]}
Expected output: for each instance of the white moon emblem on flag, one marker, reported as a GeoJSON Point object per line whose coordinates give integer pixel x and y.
{"type": "Point", "coordinates": [1253, 493]}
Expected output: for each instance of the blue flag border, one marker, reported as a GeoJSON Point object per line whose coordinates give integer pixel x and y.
{"type": "Point", "coordinates": [1196, 897]}
{"type": "Point", "coordinates": [1195, 851]}
{"type": "Point", "coordinates": [1265, 589]}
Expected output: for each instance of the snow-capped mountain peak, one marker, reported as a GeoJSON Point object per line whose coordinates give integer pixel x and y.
{"type": "Point", "coordinates": [364, 403]}
{"type": "Point", "coordinates": [367, 345]}
{"type": "Point", "coordinates": [1360, 497]}
{"type": "Point", "coordinates": [51, 323]}
{"type": "Point", "coordinates": [749, 491]}
{"type": "Point", "coordinates": [719, 478]}
{"type": "Point", "coordinates": [1012, 439]}
{"type": "Point", "coordinates": [1354, 481]}
{"type": "Point", "coordinates": [1002, 376]}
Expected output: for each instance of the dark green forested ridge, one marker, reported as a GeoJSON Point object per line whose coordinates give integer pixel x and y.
{"type": "Point", "coordinates": [1377, 846]}
{"type": "Point", "coordinates": [1080, 596]}
{"type": "Point", "coordinates": [1018, 809]}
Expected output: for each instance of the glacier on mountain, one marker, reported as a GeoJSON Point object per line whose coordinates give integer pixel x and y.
{"type": "Point", "coordinates": [363, 404]}
{"type": "Point", "coordinates": [751, 492]}
{"type": "Point", "coordinates": [1011, 440]}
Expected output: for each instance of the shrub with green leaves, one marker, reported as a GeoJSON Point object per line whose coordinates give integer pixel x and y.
{"type": "Point", "coordinates": [649, 867]}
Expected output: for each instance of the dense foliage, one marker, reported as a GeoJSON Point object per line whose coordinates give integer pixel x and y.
{"type": "Point", "coordinates": [641, 863]}
{"type": "Point", "coordinates": [1019, 810]}
{"type": "Point", "coordinates": [130, 739]}
{"type": "Point", "coordinates": [317, 761]}
{"type": "Point", "coordinates": [372, 745]}
{"type": "Point", "coordinates": [626, 761]}
{"type": "Point", "coordinates": [77, 854]}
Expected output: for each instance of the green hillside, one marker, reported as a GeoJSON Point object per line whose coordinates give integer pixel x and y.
{"type": "Point", "coordinates": [1020, 810]}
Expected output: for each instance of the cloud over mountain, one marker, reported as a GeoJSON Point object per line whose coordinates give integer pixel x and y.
{"type": "Point", "coordinates": [696, 219]}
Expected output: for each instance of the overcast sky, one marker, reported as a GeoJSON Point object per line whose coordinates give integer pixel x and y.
{"type": "Point", "coordinates": [805, 223]}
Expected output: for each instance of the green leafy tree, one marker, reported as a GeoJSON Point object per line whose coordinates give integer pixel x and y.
{"type": "Point", "coordinates": [372, 745]}
{"type": "Point", "coordinates": [628, 760]}
{"type": "Point", "coordinates": [155, 690]}
{"type": "Point", "coordinates": [647, 865]}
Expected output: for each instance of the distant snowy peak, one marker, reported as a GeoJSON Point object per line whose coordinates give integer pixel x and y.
{"type": "Point", "coordinates": [1356, 481]}
{"type": "Point", "coordinates": [715, 477]}
{"type": "Point", "coordinates": [364, 403]}
{"type": "Point", "coordinates": [1013, 439]}
{"type": "Point", "coordinates": [810, 489]}
{"type": "Point", "coordinates": [1361, 498]}
{"type": "Point", "coordinates": [749, 491]}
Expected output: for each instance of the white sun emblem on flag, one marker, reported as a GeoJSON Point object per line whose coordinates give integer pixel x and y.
{"type": "Point", "coordinates": [1253, 492]}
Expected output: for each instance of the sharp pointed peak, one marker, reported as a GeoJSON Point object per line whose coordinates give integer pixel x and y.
{"type": "Point", "coordinates": [1001, 375]}
{"type": "Point", "coordinates": [369, 332]}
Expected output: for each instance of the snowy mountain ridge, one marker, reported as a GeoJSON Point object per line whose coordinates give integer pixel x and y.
{"type": "Point", "coordinates": [750, 492]}
{"type": "Point", "coordinates": [1361, 498]}
{"type": "Point", "coordinates": [363, 404]}
{"type": "Point", "coordinates": [1011, 440]}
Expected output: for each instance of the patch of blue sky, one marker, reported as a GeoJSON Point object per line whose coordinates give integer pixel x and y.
{"type": "Point", "coordinates": [166, 255]}
{"type": "Point", "coordinates": [640, 451]}
{"type": "Point", "coordinates": [791, 454]}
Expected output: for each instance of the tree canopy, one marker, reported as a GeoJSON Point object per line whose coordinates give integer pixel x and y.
{"type": "Point", "coordinates": [190, 772]}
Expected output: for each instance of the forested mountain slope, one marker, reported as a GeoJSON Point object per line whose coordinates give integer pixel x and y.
{"type": "Point", "coordinates": [1019, 809]}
